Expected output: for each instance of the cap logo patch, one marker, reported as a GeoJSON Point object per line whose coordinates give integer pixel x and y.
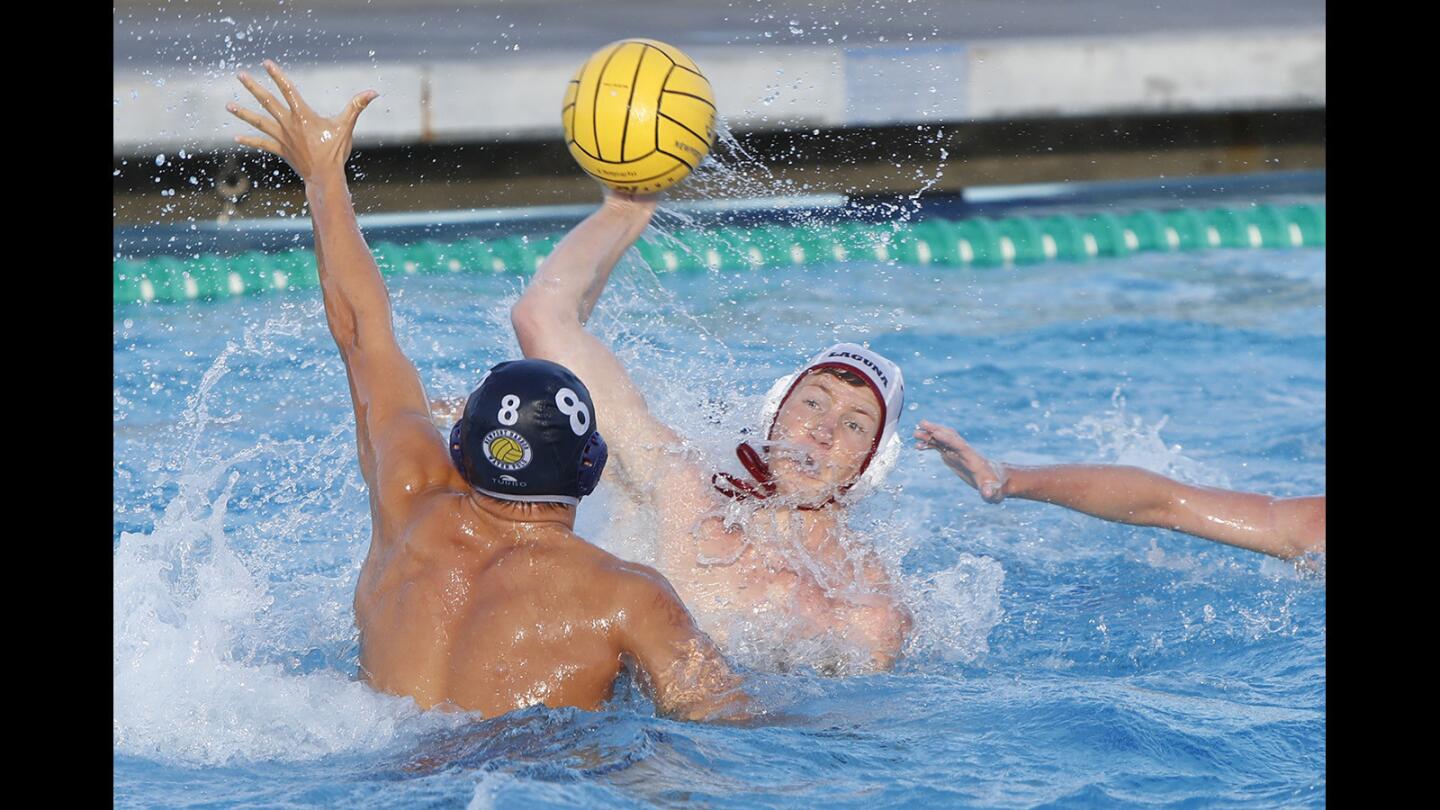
{"type": "Point", "coordinates": [507, 449]}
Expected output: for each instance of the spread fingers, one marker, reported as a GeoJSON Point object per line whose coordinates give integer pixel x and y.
{"type": "Point", "coordinates": [264, 144]}
{"type": "Point", "coordinates": [254, 119]}
{"type": "Point", "coordinates": [263, 96]}
{"type": "Point", "coordinates": [287, 87]}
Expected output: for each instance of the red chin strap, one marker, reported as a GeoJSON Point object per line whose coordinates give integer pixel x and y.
{"type": "Point", "coordinates": [762, 488]}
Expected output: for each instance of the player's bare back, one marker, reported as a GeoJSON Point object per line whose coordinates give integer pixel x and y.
{"type": "Point", "coordinates": [454, 613]}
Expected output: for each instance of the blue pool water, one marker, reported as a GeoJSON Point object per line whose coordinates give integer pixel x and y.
{"type": "Point", "coordinates": [1058, 660]}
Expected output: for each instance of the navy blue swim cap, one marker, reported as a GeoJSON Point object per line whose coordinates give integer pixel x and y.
{"type": "Point", "coordinates": [528, 434]}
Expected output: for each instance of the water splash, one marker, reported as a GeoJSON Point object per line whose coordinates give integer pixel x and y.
{"type": "Point", "coordinates": [716, 397]}
{"type": "Point", "coordinates": [956, 608]}
{"type": "Point", "coordinates": [232, 635]}
{"type": "Point", "coordinates": [1123, 438]}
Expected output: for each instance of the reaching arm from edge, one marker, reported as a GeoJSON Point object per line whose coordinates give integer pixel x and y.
{"type": "Point", "coordinates": [1282, 527]}
{"type": "Point", "coordinates": [550, 318]}
{"type": "Point", "coordinates": [685, 672]}
{"type": "Point", "coordinates": [385, 388]}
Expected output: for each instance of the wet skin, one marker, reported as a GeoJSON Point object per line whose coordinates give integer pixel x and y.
{"type": "Point", "coordinates": [465, 601]}
{"type": "Point", "coordinates": [491, 607]}
{"type": "Point", "coordinates": [1288, 528]}
{"type": "Point", "coordinates": [840, 590]}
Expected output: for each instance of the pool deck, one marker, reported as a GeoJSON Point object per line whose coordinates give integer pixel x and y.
{"type": "Point", "coordinates": [471, 71]}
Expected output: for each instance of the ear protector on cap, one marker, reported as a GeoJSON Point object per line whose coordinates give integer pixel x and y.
{"type": "Point", "coordinates": [528, 434]}
{"type": "Point", "coordinates": [592, 463]}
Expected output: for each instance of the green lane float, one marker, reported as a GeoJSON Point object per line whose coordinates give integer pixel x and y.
{"type": "Point", "coordinates": [978, 242]}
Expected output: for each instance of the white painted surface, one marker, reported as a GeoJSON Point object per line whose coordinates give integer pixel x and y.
{"type": "Point", "coordinates": [758, 88]}
{"type": "Point", "coordinates": [1233, 71]}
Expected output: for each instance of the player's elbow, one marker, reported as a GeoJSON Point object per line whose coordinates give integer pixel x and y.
{"type": "Point", "coordinates": [722, 703]}
{"type": "Point", "coordinates": [344, 326]}
{"type": "Point", "coordinates": [537, 321]}
{"type": "Point", "coordinates": [528, 321]}
{"type": "Point", "coordinates": [1159, 515]}
{"type": "Point", "coordinates": [721, 693]}
{"type": "Point", "coordinates": [902, 625]}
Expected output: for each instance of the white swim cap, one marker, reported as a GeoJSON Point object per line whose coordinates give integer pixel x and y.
{"type": "Point", "coordinates": [883, 378]}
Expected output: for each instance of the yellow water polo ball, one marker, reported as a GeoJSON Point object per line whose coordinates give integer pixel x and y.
{"type": "Point", "coordinates": [639, 116]}
{"type": "Point", "coordinates": [507, 450]}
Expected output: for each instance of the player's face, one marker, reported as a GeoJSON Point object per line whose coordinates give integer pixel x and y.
{"type": "Point", "coordinates": [822, 435]}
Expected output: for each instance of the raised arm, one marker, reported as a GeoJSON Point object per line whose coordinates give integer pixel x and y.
{"type": "Point", "coordinates": [1282, 527]}
{"type": "Point", "coordinates": [685, 672]}
{"type": "Point", "coordinates": [550, 318]}
{"type": "Point", "coordinates": [399, 452]}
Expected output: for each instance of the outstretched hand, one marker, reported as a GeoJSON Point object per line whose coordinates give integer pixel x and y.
{"type": "Point", "coordinates": [974, 469]}
{"type": "Point", "coordinates": [308, 141]}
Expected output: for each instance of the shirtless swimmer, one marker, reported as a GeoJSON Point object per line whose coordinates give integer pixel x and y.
{"type": "Point", "coordinates": [832, 429]}
{"type": "Point", "coordinates": [476, 593]}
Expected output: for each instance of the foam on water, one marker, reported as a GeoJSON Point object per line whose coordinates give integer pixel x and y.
{"type": "Point", "coordinates": [699, 395]}
{"type": "Point", "coordinates": [206, 612]}
{"type": "Point", "coordinates": [1123, 438]}
{"type": "Point", "coordinates": [1088, 657]}
{"type": "Point", "coordinates": [182, 690]}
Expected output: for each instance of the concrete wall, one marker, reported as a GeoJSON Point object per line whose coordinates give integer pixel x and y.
{"type": "Point", "coordinates": [518, 97]}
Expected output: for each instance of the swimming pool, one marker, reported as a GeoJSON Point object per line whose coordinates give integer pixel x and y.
{"type": "Point", "coordinates": [1057, 658]}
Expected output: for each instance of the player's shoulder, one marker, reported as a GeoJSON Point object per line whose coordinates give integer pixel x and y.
{"type": "Point", "coordinates": [412, 460]}
{"type": "Point", "coordinates": [639, 587]}
{"type": "Point", "coordinates": [626, 573]}
{"type": "Point", "coordinates": [590, 564]}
